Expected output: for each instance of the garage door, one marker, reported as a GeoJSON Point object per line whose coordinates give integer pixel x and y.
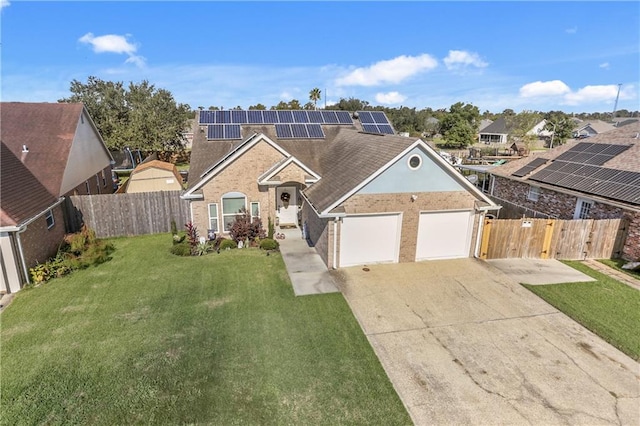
{"type": "Point", "coordinates": [444, 235]}
{"type": "Point", "coordinates": [370, 239]}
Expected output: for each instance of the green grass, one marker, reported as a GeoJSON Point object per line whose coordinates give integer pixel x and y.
{"type": "Point", "coordinates": [607, 307]}
{"type": "Point", "coordinates": [617, 264]}
{"type": "Point", "coordinates": [149, 337]}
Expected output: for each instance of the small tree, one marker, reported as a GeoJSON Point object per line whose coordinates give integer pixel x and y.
{"type": "Point", "coordinates": [243, 228]}
{"type": "Point", "coordinates": [192, 235]}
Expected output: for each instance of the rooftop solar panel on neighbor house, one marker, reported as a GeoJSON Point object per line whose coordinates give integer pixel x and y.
{"type": "Point", "coordinates": [223, 131]}
{"type": "Point", "coordinates": [315, 131]}
{"type": "Point", "coordinates": [254, 117]}
{"type": "Point", "coordinates": [529, 167]}
{"type": "Point", "coordinates": [330, 117]}
{"type": "Point", "coordinates": [238, 116]}
{"type": "Point", "coordinates": [270, 117]}
{"type": "Point", "coordinates": [379, 117]}
{"type": "Point", "coordinates": [207, 117]}
{"type": "Point", "coordinates": [344, 117]}
{"type": "Point", "coordinates": [284, 131]}
{"type": "Point", "coordinates": [285, 116]}
{"type": "Point", "coordinates": [299, 131]}
{"type": "Point", "coordinates": [315, 117]}
{"type": "Point", "coordinates": [300, 117]}
{"type": "Point", "coordinates": [223, 117]}
{"type": "Point", "coordinates": [365, 117]}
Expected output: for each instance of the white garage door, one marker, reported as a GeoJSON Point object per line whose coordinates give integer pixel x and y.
{"type": "Point", "coordinates": [444, 235]}
{"type": "Point", "coordinates": [370, 239]}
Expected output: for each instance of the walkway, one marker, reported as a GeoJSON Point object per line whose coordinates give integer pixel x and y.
{"type": "Point", "coordinates": [307, 272]}
{"type": "Point", "coordinates": [613, 273]}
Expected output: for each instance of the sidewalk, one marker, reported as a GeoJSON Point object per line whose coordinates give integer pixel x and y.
{"type": "Point", "coordinates": [307, 272]}
{"type": "Point", "coordinates": [614, 273]}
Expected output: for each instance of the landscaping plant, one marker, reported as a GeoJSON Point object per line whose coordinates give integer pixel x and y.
{"type": "Point", "coordinates": [244, 229]}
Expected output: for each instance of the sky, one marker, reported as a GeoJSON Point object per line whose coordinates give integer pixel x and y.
{"type": "Point", "coordinates": [525, 56]}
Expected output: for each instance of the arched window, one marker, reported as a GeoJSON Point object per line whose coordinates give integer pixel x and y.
{"type": "Point", "coordinates": [232, 204]}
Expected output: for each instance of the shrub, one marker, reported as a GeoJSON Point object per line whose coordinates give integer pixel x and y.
{"type": "Point", "coordinates": [271, 229]}
{"type": "Point", "coordinates": [269, 244]}
{"type": "Point", "coordinates": [243, 229]}
{"type": "Point", "coordinates": [192, 235]}
{"type": "Point", "coordinates": [181, 249]}
{"type": "Point", "coordinates": [174, 227]}
{"type": "Point", "coordinates": [228, 244]}
{"type": "Point", "coordinates": [177, 238]}
{"type": "Point", "coordinates": [201, 249]}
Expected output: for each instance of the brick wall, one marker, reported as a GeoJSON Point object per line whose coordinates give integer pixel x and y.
{"type": "Point", "coordinates": [96, 184]}
{"type": "Point", "coordinates": [563, 206]}
{"type": "Point", "coordinates": [380, 203]}
{"type": "Point", "coordinates": [319, 233]}
{"type": "Point", "coordinates": [40, 243]}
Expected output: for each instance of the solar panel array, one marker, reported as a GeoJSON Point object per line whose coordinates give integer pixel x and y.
{"type": "Point", "coordinates": [299, 131]}
{"type": "Point", "coordinates": [610, 183]}
{"type": "Point", "coordinates": [592, 153]}
{"type": "Point", "coordinates": [529, 167]}
{"type": "Point", "coordinates": [223, 131]}
{"type": "Point", "coordinates": [375, 122]}
{"type": "Point", "coordinates": [275, 117]}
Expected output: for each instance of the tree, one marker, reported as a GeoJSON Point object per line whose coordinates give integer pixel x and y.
{"type": "Point", "coordinates": [561, 127]}
{"type": "Point", "coordinates": [460, 125]}
{"type": "Point", "coordinates": [314, 96]}
{"type": "Point", "coordinates": [351, 104]}
{"type": "Point", "coordinates": [258, 106]}
{"type": "Point", "coordinates": [520, 124]}
{"type": "Point", "coordinates": [140, 116]}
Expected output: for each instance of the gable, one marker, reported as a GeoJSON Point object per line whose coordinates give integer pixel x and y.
{"type": "Point", "coordinates": [399, 177]}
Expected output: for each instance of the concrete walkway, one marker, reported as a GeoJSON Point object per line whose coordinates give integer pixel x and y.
{"type": "Point", "coordinates": [308, 273]}
{"type": "Point", "coordinates": [539, 271]}
{"type": "Point", "coordinates": [613, 273]}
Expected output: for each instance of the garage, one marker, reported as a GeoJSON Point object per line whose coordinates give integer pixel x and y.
{"type": "Point", "coordinates": [444, 235]}
{"type": "Point", "coordinates": [366, 239]}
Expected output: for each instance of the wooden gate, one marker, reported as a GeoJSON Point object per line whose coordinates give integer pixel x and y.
{"type": "Point", "coordinates": [552, 238]}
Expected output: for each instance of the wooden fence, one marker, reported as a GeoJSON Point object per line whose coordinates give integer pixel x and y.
{"type": "Point", "coordinates": [552, 238]}
{"type": "Point", "coordinates": [118, 215]}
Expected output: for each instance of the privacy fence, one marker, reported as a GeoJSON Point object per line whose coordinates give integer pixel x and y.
{"type": "Point", "coordinates": [117, 215]}
{"type": "Point", "coordinates": [553, 238]}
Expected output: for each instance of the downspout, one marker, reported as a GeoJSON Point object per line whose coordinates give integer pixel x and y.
{"type": "Point", "coordinates": [479, 236]}
{"type": "Point", "coordinates": [335, 243]}
{"type": "Point", "coordinates": [23, 262]}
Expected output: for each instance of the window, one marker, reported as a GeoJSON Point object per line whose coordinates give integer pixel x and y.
{"type": "Point", "coordinates": [50, 220]}
{"type": "Point", "coordinates": [255, 211]}
{"type": "Point", "coordinates": [232, 204]}
{"type": "Point", "coordinates": [534, 192]}
{"type": "Point", "coordinates": [213, 217]}
{"type": "Point", "coordinates": [415, 161]}
{"type": "Point", "coordinates": [583, 207]}
{"type": "Point", "coordinates": [86, 186]}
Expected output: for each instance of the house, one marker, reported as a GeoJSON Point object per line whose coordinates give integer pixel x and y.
{"type": "Point", "coordinates": [539, 130]}
{"type": "Point", "coordinates": [359, 193]}
{"type": "Point", "coordinates": [597, 178]}
{"type": "Point", "coordinates": [153, 176]}
{"type": "Point", "coordinates": [592, 128]}
{"type": "Point", "coordinates": [495, 132]}
{"type": "Point", "coordinates": [49, 151]}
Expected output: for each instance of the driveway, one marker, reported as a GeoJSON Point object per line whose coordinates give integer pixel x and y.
{"type": "Point", "coordinates": [465, 344]}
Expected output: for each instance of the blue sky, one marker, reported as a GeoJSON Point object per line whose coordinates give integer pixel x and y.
{"type": "Point", "coordinates": [542, 56]}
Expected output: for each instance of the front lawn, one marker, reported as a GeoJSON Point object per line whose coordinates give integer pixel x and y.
{"type": "Point", "coordinates": [149, 337]}
{"type": "Point", "coordinates": [607, 307]}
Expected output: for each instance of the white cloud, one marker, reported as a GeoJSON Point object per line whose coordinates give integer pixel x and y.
{"type": "Point", "coordinates": [544, 88]}
{"type": "Point", "coordinates": [112, 43]}
{"type": "Point", "coordinates": [571, 30]}
{"type": "Point", "coordinates": [594, 94]}
{"type": "Point", "coordinates": [459, 59]}
{"type": "Point", "coordinates": [4, 3]}
{"type": "Point", "coordinates": [390, 71]}
{"type": "Point", "coordinates": [390, 98]}
{"type": "Point", "coordinates": [605, 65]}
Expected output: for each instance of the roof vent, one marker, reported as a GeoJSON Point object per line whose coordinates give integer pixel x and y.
{"type": "Point", "coordinates": [637, 136]}
{"type": "Point", "coordinates": [25, 148]}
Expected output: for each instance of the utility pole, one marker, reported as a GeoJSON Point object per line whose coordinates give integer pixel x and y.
{"type": "Point", "coordinates": [615, 106]}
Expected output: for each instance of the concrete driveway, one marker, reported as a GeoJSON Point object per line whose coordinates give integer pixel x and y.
{"type": "Point", "coordinates": [465, 344]}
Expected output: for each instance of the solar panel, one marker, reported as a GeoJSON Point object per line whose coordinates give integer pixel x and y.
{"type": "Point", "coordinates": [330, 117]}
{"type": "Point", "coordinates": [386, 129]}
{"type": "Point", "coordinates": [615, 149]}
{"type": "Point", "coordinates": [254, 117]}
{"type": "Point", "coordinates": [270, 117]}
{"type": "Point", "coordinates": [207, 117]}
{"type": "Point", "coordinates": [379, 117]}
{"type": "Point", "coordinates": [315, 117]}
{"type": "Point", "coordinates": [366, 117]}
{"type": "Point", "coordinates": [529, 167]}
{"type": "Point", "coordinates": [223, 131]}
{"type": "Point", "coordinates": [299, 131]}
{"type": "Point", "coordinates": [238, 116]}
{"type": "Point", "coordinates": [284, 131]}
{"type": "Point", "coordinates": [300, 117]}
{"type": "Point", "coordinates": [285, 116]}
{"type": "Point", "coordinates": [344, 117]}
{"type": "Point", "coordinates": [223, 117]}
{"type": "Point", "coordinates": [370, 128]}
{"type": "Point", "coordinates": [315, 131]}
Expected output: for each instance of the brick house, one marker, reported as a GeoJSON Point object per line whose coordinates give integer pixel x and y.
{"type": "Point", "coordinates": [49, 151]}
{"type": "Point", "coordinates": [597, 178]}
{"type": "Point", "coordinates": [359, 193]}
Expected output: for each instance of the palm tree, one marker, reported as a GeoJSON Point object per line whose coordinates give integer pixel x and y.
{"type": "Point", "coordinates": [314, 96]}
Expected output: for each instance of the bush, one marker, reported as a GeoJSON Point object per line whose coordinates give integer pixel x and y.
{"type": "Point", "coordinates": [271, 228]}
{"type": "Point", "coordinates": [269, 244]}
{"type": "Point", "coordinates": [243, 229]}
{"type": "Point", "coordinates": [181, 249]}
{"type": "Point", "coordinates": [228, 244]}
{"type": "Point", "coordinates": [177, 238]}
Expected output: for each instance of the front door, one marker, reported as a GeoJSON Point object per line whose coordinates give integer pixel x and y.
{"type": "Point", "coordinates": [287, 202]}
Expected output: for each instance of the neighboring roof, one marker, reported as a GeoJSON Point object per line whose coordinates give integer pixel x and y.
{"type": "Point", "coordinates": [484, 123]}
{"type": "Point", "coordinates": [157, 164]}
{"type": "Point", "coordinates": [598, 126]}
{"type": "Point", "coordinates": [628, 160]}
{"type": "Point", "coordinates": [15, 181]}
{"type": "Point", "coordinates": [498, 127]}
{"type": "Point", "coordinates": [48, 131]}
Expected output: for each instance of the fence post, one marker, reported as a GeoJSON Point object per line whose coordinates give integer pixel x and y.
{"type": "Point", "coordinates": [486, 232]}
{"type": "Point", "coordinates": [548, 236]}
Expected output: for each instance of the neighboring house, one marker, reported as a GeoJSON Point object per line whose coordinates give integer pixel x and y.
{"type": "Point", "coordinates": [598, 178]}
{"type": "Point", "coordinates": [484, 123]}
{"type": "Point", "coordinates": [540, 131]}
{"type": "Point", "coordinates": [592, 128]}
{"type": "Point", "coordinates": [153, 176]}
{"type": "Point", "coordinates": [360, 193]}
{"type": "Point", "coordinates": [49, 151]}
{"type": "Point", "coordinates": [495, 132]}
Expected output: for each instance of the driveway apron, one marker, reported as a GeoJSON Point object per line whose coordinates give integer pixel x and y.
{"type": "Point", "coordinates": [465, 344]}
